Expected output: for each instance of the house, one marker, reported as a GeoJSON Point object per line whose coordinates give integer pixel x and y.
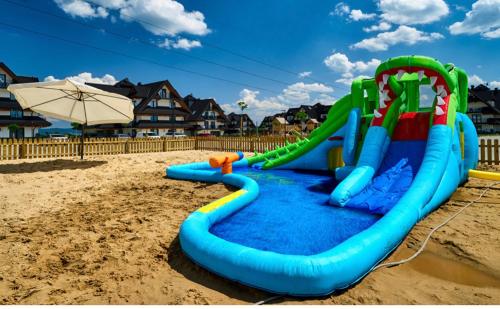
{"type": "Point", "coordinates": [280, 125]}
{"type": "Point", "coordinates": [312, 124]}
{"type": "Point", "coordinates": [236, 122]}
{"type": "Point", "coordinates": [207, 117]}
{"type": "Point", "coordinates": [158, 108]}
{"type": "Point", "coordinates": [266, 125]}
{"type": "Point", "coordinates": [484, 109]}
{"type": "Point", "coordinates": [14, 121]}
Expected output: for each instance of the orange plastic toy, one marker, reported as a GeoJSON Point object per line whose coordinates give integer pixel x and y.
{"type": "Point", "coordinates": [225, 161]}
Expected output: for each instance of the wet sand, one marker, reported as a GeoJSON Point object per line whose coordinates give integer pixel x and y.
{"type": "Point", "coordinates": [105, 231]}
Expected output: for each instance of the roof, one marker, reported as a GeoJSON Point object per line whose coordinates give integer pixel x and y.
{"type": "Point", "coordinates": [26, 121]}
{"type": "Point", "coordinates": [490, 97]}
{"type": "Point", "coordinates": [280, 120]}
{"type": "Point", "coordinates": [237, 117]}
{"type": "Point", "coordinates": [146, 92]}
{"type": "Point", "coordinates": [18, 79]}
{"type": "Point", "coordinates": [199, 106]}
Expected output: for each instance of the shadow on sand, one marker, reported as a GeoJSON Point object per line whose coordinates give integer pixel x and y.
{"type": "Point", "coordinates": [48, 166]}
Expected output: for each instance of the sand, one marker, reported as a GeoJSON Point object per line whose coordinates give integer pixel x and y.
{"type": "Point", "coordinates": [105, 231]}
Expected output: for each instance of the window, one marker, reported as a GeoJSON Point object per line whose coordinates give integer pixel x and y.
{"type": "Point", "coordinates": [172, 104]}
{"type": "Point", "coordinates": [3, 81]}
{"type": "Point", "coordinates": [206, 124]}
{"type": "Point", "coordinates": [426, 96]}
{"type": "Point", "coordinates": [16, 113]}
{"type": "Point", "coordinates": [212, 125]}
{"type": "Point", "coordinates": [476, 118]}
{"type": "Point", "coordinates": [163, 93]}
{"type": "Point", "coordinates": [153, 103]}
{"type": "Point", "coordinates": [154, 118]}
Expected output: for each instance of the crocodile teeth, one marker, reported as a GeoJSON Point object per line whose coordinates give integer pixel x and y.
{"type": "Point", "coordinates": [433, 80]}
{"type": "Point", "coordinates": [385, 78]}
{"type": "Point", "coordinates": [439, 111]}
{"type": "Point", "coordinates": [440, 101]}
{"type": "Point", "coordinates": [400, 74]}
{"type": "Point", "coordinates": [385, 95]}
{"type": "Point", "coordinates": [440, 91]}
{"type": "Point", "coordinates": [420, 75]}
{"type": "Point", "coordinates": [376, 114]}
{"type": "Point", "coordinates": [381, 103]}
{"type": "Point", "coordinates": [380, 86]}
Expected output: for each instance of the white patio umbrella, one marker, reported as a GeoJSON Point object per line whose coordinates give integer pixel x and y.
{"type": "Point", "coordinates": [75, 102]}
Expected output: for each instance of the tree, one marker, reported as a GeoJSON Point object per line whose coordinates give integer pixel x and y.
{"type": "Point", "coordinates": [302, 117]}
{"type": "Point", "coordinates": [13, 128]}
{"type": "Point", "coordinates": [242, 106]}
{"type": "Point", "coordinates": [76, 126]}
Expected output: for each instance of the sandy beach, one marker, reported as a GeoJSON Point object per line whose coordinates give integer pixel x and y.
{"type": "Point", "coordinates": [104, 231]}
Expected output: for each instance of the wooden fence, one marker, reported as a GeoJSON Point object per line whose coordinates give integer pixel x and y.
{"type": "Point", "coordinates": [11, 149]}
{"type": "Point", "coordinates": [489, 150]}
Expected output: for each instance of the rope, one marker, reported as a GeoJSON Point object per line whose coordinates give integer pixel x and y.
{"type": "Point", "coordinates": [262, 302]}
{"type": "Point", "coordinates": [392, 264]}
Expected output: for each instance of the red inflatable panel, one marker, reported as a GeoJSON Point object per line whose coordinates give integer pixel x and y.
{"type": "Point", "coordinates": [412, 126]}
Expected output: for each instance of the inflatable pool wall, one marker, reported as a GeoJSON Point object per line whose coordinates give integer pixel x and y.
{"type": "Point", "coordinates": [398, 159]}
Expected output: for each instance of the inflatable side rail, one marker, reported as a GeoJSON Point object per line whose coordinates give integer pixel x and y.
{"type": "Point", "coordinates": [484, 175]}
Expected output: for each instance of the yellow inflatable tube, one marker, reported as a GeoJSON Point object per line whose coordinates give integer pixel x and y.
{"type": "Point", "coordinates": [484, 175]}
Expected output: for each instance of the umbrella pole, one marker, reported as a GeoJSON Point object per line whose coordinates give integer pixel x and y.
{"type": "Point", "coordinates": [81, 141]}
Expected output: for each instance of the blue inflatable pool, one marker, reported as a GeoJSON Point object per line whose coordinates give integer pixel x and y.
{"type": "Point", "coordinates": [316, 216]}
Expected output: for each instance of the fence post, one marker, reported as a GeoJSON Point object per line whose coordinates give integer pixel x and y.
{"type": "Point", "coordinates": [482, 150]}
{"type": "Point", "coordinates": [196, 143]}
{"type": "Point", "coordinates": [497, 152]}
{"type": "Point", "coordinates": [126, 146]}
{"type": "Point", "coordinates": [24, 151]}
{"type": "Point", "coordinates": [252, 144]}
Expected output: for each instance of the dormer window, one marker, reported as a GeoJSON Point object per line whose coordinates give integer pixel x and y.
{"type": "Point", "coordinates": [163, 93]}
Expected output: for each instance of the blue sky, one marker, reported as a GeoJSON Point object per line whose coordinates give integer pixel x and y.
{"type": "Point", "coordinates": [329, 42]}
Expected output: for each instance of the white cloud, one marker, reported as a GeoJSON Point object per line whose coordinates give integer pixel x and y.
{"type": "Point", "coordinates": [475, 80]}
{"type": "Point", "coordinates": [165, 17]}
{"type": "Point", "coordinates": [305, 74]}
{"type": "Point", "coordinates": [407, 12]}
{"type": "Point", "coordinates": [340, 63]}
{"type": "Point", "coordinates": [160, 17]}
{"type": "Point", "coordinates": [87, 77]}
{"type": "Point", "coordinates": [81, 8]}
{"type": "Point", "coordinates": [402, 35]}
{"type": "Point", "coordinates": [349, 71]}
{"type": "Point", "coordinates": [357, 15]}
{"type": "Point", "coordinates": [494, 84]}
{"type": "Point", "coordinates": [181, 43]}
{"type": "Point", "coordinates": [484, 18]}
{"type": "Point", "coordinates": [348, 78]}
{"type": "Point", "coordinates": [382, 26]}
{"type": "Point", "coordinates": [293, 95]}
{"type": "Point", "coordinates": [342, 9]}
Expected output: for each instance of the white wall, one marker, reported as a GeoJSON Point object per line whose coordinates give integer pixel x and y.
{"type": "Point", "coordinates": [4, 132]}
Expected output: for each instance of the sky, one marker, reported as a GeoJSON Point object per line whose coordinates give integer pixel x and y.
{"type": "Point", "coordinates": [271, 54]}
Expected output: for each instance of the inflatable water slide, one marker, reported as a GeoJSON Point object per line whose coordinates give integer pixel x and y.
{"type": "Point", "coordinates": [317, 215]}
